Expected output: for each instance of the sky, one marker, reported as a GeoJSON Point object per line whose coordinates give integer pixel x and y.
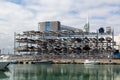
{"type": "Point", "coordinates": [24, 15]}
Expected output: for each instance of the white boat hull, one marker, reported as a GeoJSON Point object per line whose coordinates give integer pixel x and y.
{"type": "Point", "coordinates": [91, 62]}
{"type": "Point", "coordinates": [3, 64]}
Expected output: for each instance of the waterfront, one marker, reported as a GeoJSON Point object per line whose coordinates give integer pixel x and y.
{"type": "Point", "coordinates": [61, 72]}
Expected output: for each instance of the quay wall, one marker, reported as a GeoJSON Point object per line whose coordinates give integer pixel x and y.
{"type": "Point", "coordinates": [80, 61]}
{"type": "Point", "coordinates": [69, 61]}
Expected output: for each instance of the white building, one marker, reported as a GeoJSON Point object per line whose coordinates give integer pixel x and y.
{"type": "Point", "coordinates": [117, 40]}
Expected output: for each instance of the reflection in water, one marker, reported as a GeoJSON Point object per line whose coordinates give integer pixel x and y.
{"type": "Point", "coordinates": [63, 72]}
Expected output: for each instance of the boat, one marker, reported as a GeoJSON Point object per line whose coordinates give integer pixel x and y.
{"type": "Point", "coordinates": [3, 75]}
{"type": "Point", "coordinates": [43, 62]}
{"type": "Point", "coordinates": [13, 61]}
{"type": "Point", "coordinates": [4, 62]}
{"type": "Point", "coordinates": [91, 62]}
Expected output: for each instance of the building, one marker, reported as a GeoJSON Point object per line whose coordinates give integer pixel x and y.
{"type": "Point", "coordinates": [55, 26]}
{"type": "Point", "coordinates": [117, 40]}
{"type": "Point", "coordinates": [49, 26]}
{"type": "Point", "coordinates": [54, 38]}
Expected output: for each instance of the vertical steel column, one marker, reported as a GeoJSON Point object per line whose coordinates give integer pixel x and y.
{"type": "Point", "coordinates": [14, 42]}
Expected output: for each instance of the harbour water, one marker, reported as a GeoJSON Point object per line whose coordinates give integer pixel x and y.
{"type": "Point", "coordinates": [60, 72]}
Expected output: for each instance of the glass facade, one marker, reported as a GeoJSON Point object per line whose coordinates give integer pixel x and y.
{"type": "Point", "coordinates": [59, 28]}
{"type": "Point", "coordinates": [47, 26]}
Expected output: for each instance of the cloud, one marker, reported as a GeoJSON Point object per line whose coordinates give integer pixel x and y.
{"type": "Point", "coordinates": [23, 15]}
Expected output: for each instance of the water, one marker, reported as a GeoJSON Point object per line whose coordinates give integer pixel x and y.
{"type": "Point", "coordinates": [61, 72]}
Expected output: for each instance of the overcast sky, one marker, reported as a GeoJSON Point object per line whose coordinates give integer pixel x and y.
{"type": "Point", "coordinates": [24, 15]}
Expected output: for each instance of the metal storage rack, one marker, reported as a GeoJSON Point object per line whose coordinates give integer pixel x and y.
{"type": "Point", "coordinates": [65, 43]}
